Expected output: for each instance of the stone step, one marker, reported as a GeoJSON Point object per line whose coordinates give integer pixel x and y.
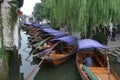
{"type": "Point", "coordinates": [116, 52]}
{"type": "Point", "coordinates": [118, 49]}
{"type": "Point", "coordinates": [110, 52]}
{"type": "Point", "coordinates": [117, 55]}
{"type": "Point", "coordinates": [118, 59]}
{"type": "Point", "coordinates": [111, 49]}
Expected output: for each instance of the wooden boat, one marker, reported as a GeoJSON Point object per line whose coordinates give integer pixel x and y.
{"type": "Point", "coordinates": [100, 68]}
{"type": "Point", "coordinates": [25, 25]}
{"type": "Point", "coordinates": [49, 34]}
{"type": "Point", "coordinates": [41, 33]}
{"type": "Point", "coordinates": [41, 44]}
{"type": "Point", "coordinates": [36, 29]}
{"type": "Point", "coordinates": [61, 51]}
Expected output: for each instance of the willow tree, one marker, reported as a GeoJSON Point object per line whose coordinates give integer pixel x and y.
{"type": "Point", "coordinates": [38, 12]}
{"type": "Point", "coordinates": [83, 15]}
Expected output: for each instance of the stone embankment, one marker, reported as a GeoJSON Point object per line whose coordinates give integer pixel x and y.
{"type": "Point", "coordinates": [1, 61]}
{"type": "Point", "coordinates": [114, 47]}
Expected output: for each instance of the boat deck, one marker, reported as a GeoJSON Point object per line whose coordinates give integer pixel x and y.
{"type": "Point", "coordinates": [102, 73]}
{"type": "Point", "coordinates": [56, 55]}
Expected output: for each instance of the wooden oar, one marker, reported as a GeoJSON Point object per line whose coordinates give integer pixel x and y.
{"type": "Point", "coordinates": [25, 50]}
{"type": "Point", "coordinates": [108, 66]}
{"type": "Point", "coordinates": [27, 46]}
{"type": "Point", "coordinates": [37, 47]}
{"type": "Point", "coordinates": [28, 77]}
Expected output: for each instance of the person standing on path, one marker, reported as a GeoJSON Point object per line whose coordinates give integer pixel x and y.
{"type": "Point", "coordinates": [113, 34]}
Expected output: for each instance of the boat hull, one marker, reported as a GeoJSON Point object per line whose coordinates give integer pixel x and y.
{"type": "Point", "coordinates": [100, 70]}
{"type": "Point", "coordinates": [56, 62]}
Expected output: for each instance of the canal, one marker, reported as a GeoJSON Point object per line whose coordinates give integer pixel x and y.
{"type": "Point", "coordinates": [20, 68]}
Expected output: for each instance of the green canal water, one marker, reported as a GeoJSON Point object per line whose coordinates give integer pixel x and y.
{"type": "Point", "coordinates": [20, 68]}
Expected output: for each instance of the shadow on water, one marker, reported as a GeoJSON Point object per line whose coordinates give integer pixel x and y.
{"type": "Point", "coordinates": [14, 67]}
{"type": "Point", "coordinates": [20, 68]}
{"type": "Point", "coordinates": [65, 71]}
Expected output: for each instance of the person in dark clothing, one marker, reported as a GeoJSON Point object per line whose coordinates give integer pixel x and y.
{"type": "Point", "coordinates": [113, 34]}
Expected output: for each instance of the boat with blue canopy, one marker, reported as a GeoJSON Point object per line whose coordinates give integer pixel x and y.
{"type": "Point", "coordinates": [61, 50]}
{"type": "Point", "coordinates": [48, 32]}
{"type": "Point", "coordinates": [90, 43]}
{"type": "Point", "coordinates": [69, 40]}
{"type": "Point", "coordinates": [57, 35]}
{"type": "Point", "coordinates": [92, 61]}
{"type": "Point", "coordinates": [34, 29]}
{"type": "Point", "coordinates": [47, 37]}
{"type": "Point", "coordinates": [27, 23]}
{"type": "Point", "coordinates": [39, 26]}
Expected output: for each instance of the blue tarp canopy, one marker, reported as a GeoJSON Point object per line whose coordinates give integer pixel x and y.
{"type": "Point", "coordinates": [27, 23]}
{"type": "Point", "coordinates": [58, 34]}
{"type": "Point", "coordinates": [37, 25]}
{"type": "Point", "coordinates": [50, 30]}
{"type": "Point", "coordinates": [70, 40]}
{"type": "Point", "coordinates": [44, 52]}
{"type": "Point", "coordinates": [42, 27]}
{"type": "Point", "coordinates": [89, 43]}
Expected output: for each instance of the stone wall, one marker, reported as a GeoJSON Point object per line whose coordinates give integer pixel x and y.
{"type": "Point", "coordinates": [4, 69]}
{"type": "Point", "coordinates": [10, 33]}
{"type": "Point", "coordinates": [16, 35]}
{"type": "Point", "coordinates": [7, 28]}
{"type": "Point", "coordinates": [1, 62]}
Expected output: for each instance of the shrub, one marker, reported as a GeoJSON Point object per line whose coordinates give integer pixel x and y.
{"type": "Point", "coordinates": [100, 37]}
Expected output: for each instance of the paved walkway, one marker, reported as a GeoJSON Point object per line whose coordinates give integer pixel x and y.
{"type": "Point", "coordinates": [114, 47]}
{"type": "Point", "coordinates": [113, 44]}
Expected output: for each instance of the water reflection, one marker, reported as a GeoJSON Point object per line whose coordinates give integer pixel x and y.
{"type": "Point", "coordinates": [14, 67]}
{"type": "Point", "coordinates": [26, 66]}
{"type": "Point", "coordinates": [19, 67]}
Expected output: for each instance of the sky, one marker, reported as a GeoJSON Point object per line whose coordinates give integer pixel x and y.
{"type": "Point", "coordinates": [28, 6]}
